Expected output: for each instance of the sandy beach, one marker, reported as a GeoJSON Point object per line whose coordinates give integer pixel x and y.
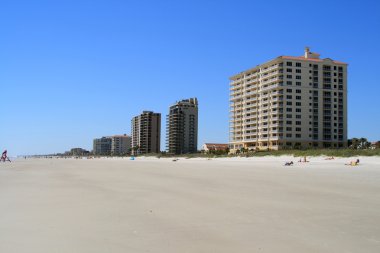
{"type": "Point", "coordinates": [192, 205]}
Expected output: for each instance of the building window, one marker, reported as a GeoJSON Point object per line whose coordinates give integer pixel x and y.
{"type": "Point", "coordinates": [298, 122]}
{"type": "Point", "coordinates": [289, 90]}
{"type": "Point", "coordinates": [298, 103]}
{"type": "Point", "coordinates": [289, 70]}
{"type": "Point", "coordinates": [298, 64]}
{"type": "Point", "coordinates": [298, 135]}
{"type": "Point", "coordinates": [289, 103]}
{"type": "Point", "coordinates": [289, 109]}
{"type": "Point", "coordinates": [298, 77]}
{"type": "Point", "coordinates": [298, 83]}
{"type": "Point", "coordinates": [288, 82]}
{"type": "Point", "coordinates": [326, 67]}
{"type": "Point", "coordinates": [298, 97]}
{"type": "Point", "coordinates": [298, 109]}
{"type": "Point", "coordinates": [289, 76]}
{"type": "Point", "coordinates": [289, 63]}
{"type": "Point", "coordinates": [298, 71]}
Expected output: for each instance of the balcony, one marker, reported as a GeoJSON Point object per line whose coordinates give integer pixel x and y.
{"type": "Point", "coordinates": [254, 82]}
{"type": "Point", "coordinates": [274, 99]}
{"type": "Point", "coordinates": [276, 66]}
{"type": "Point", "coordinates": [236, 99]}
{"type": "Point", "coordinates": [273, 73]}
{"type": "Point", "coordinates": [252, 98]}
{"type": "Point", "coordinates": [236, 86]}
{"type": "Point", "coordinates": [276, 79]}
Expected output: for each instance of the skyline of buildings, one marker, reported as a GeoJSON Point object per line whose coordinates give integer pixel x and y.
{"type": "Point", "coordinates": [289, 102]}
{"type": "Point", "coordinates": [182, 132]}
{"type": "Point", "coordinates": [182, 127]}
{"type": "Point", "coordinates": [286, 102]}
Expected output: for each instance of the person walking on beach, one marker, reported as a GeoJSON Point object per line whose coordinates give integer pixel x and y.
{"type": "Point", "coordinates": [4, 157]}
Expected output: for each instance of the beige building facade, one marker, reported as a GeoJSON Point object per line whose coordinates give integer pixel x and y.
{"type": "Point", "coordinates": [289, 102]}
{"type": "Point", "coordinates": [120, 145]}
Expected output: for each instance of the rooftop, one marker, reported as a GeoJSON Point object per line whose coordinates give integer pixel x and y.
{"type": "Point", "coordinates": [308, 56]}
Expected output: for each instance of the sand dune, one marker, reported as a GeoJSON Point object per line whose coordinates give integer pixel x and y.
{"type": "Point", "coordinates": [192, 205]}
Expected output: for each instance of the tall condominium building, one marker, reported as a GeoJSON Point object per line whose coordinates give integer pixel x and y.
{"type": "Point", "coordinates": [182, 127]}
{"type": "Point", "coordinates": [146, 133]}
{"type": "Point", "coordinates": [121, 144]}
{"type": "Point", "coordinates": [289, 102]}
{"type": "Point", "coordinates": [102, 146]}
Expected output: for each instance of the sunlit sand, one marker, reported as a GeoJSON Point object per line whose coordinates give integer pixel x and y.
{"type": "Point", "coordinates": [191, 205]}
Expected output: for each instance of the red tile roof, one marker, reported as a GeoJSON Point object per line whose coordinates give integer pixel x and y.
{"type": "Point", "coordinates": [216, 146]}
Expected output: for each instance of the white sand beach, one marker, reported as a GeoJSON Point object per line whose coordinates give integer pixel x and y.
{"type": "Point", "coordinates": [192, 205]}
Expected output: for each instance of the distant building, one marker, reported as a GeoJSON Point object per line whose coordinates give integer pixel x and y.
{"type": "Point", "coordinates": [375, 145]}
{"type": "Point", "coordinates": [78, 152]}
{"type": "Point", "coordinates": [120, 144]}
{"type": "Point", "coordinates": [289, 102]}
{"type": "Point", "coordinates": [102, 146]}
{"type": "Point", "coordinates": [182, 127]}
{"type": "Point", "coordinates": [207, 147]}
{"type": "Point", "coordinates": [146, 133]}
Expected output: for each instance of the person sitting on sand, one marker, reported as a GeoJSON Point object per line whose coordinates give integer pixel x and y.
{"type": "Point", "coordinates": [353, 163]}
{"type": "Point", "coordinates": [330, 158]}
{"type": "Point", "coordinates": [289, 163]}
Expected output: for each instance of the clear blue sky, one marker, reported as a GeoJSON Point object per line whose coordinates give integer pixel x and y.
{"type": "Point", "coordinates": [71, 71]}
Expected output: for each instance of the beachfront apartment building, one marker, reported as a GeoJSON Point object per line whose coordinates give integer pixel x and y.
{"type": "Point", "coordinates": [102, 146]}
{"type": "Point", "coordinates": [146, 133]}
{"type": "Point", "coordinates": [121, 144]}
{"type": "Point", "coordinates": [182, 127]}
{"type": "Point", "coordinates": [289, 102]}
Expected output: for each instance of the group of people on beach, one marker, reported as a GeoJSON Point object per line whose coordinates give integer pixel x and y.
{"type": "Point", "coordinates": [304, 160]}
{"type": "Point", "coordinates": [4, 157]}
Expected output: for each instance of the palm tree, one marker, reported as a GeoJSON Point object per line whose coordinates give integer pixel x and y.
{"type": "Point", "coordinates": [353, 143]}
{"type": "Point", "coordinates": [135, 150]}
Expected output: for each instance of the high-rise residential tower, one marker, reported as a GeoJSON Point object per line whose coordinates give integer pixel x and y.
{"type": "Point", "coordinates": [289, 102]}
{"type": "Point", "coordinates": [182, 127]}
{"type": "Point", "coordinates": [146, 133]}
